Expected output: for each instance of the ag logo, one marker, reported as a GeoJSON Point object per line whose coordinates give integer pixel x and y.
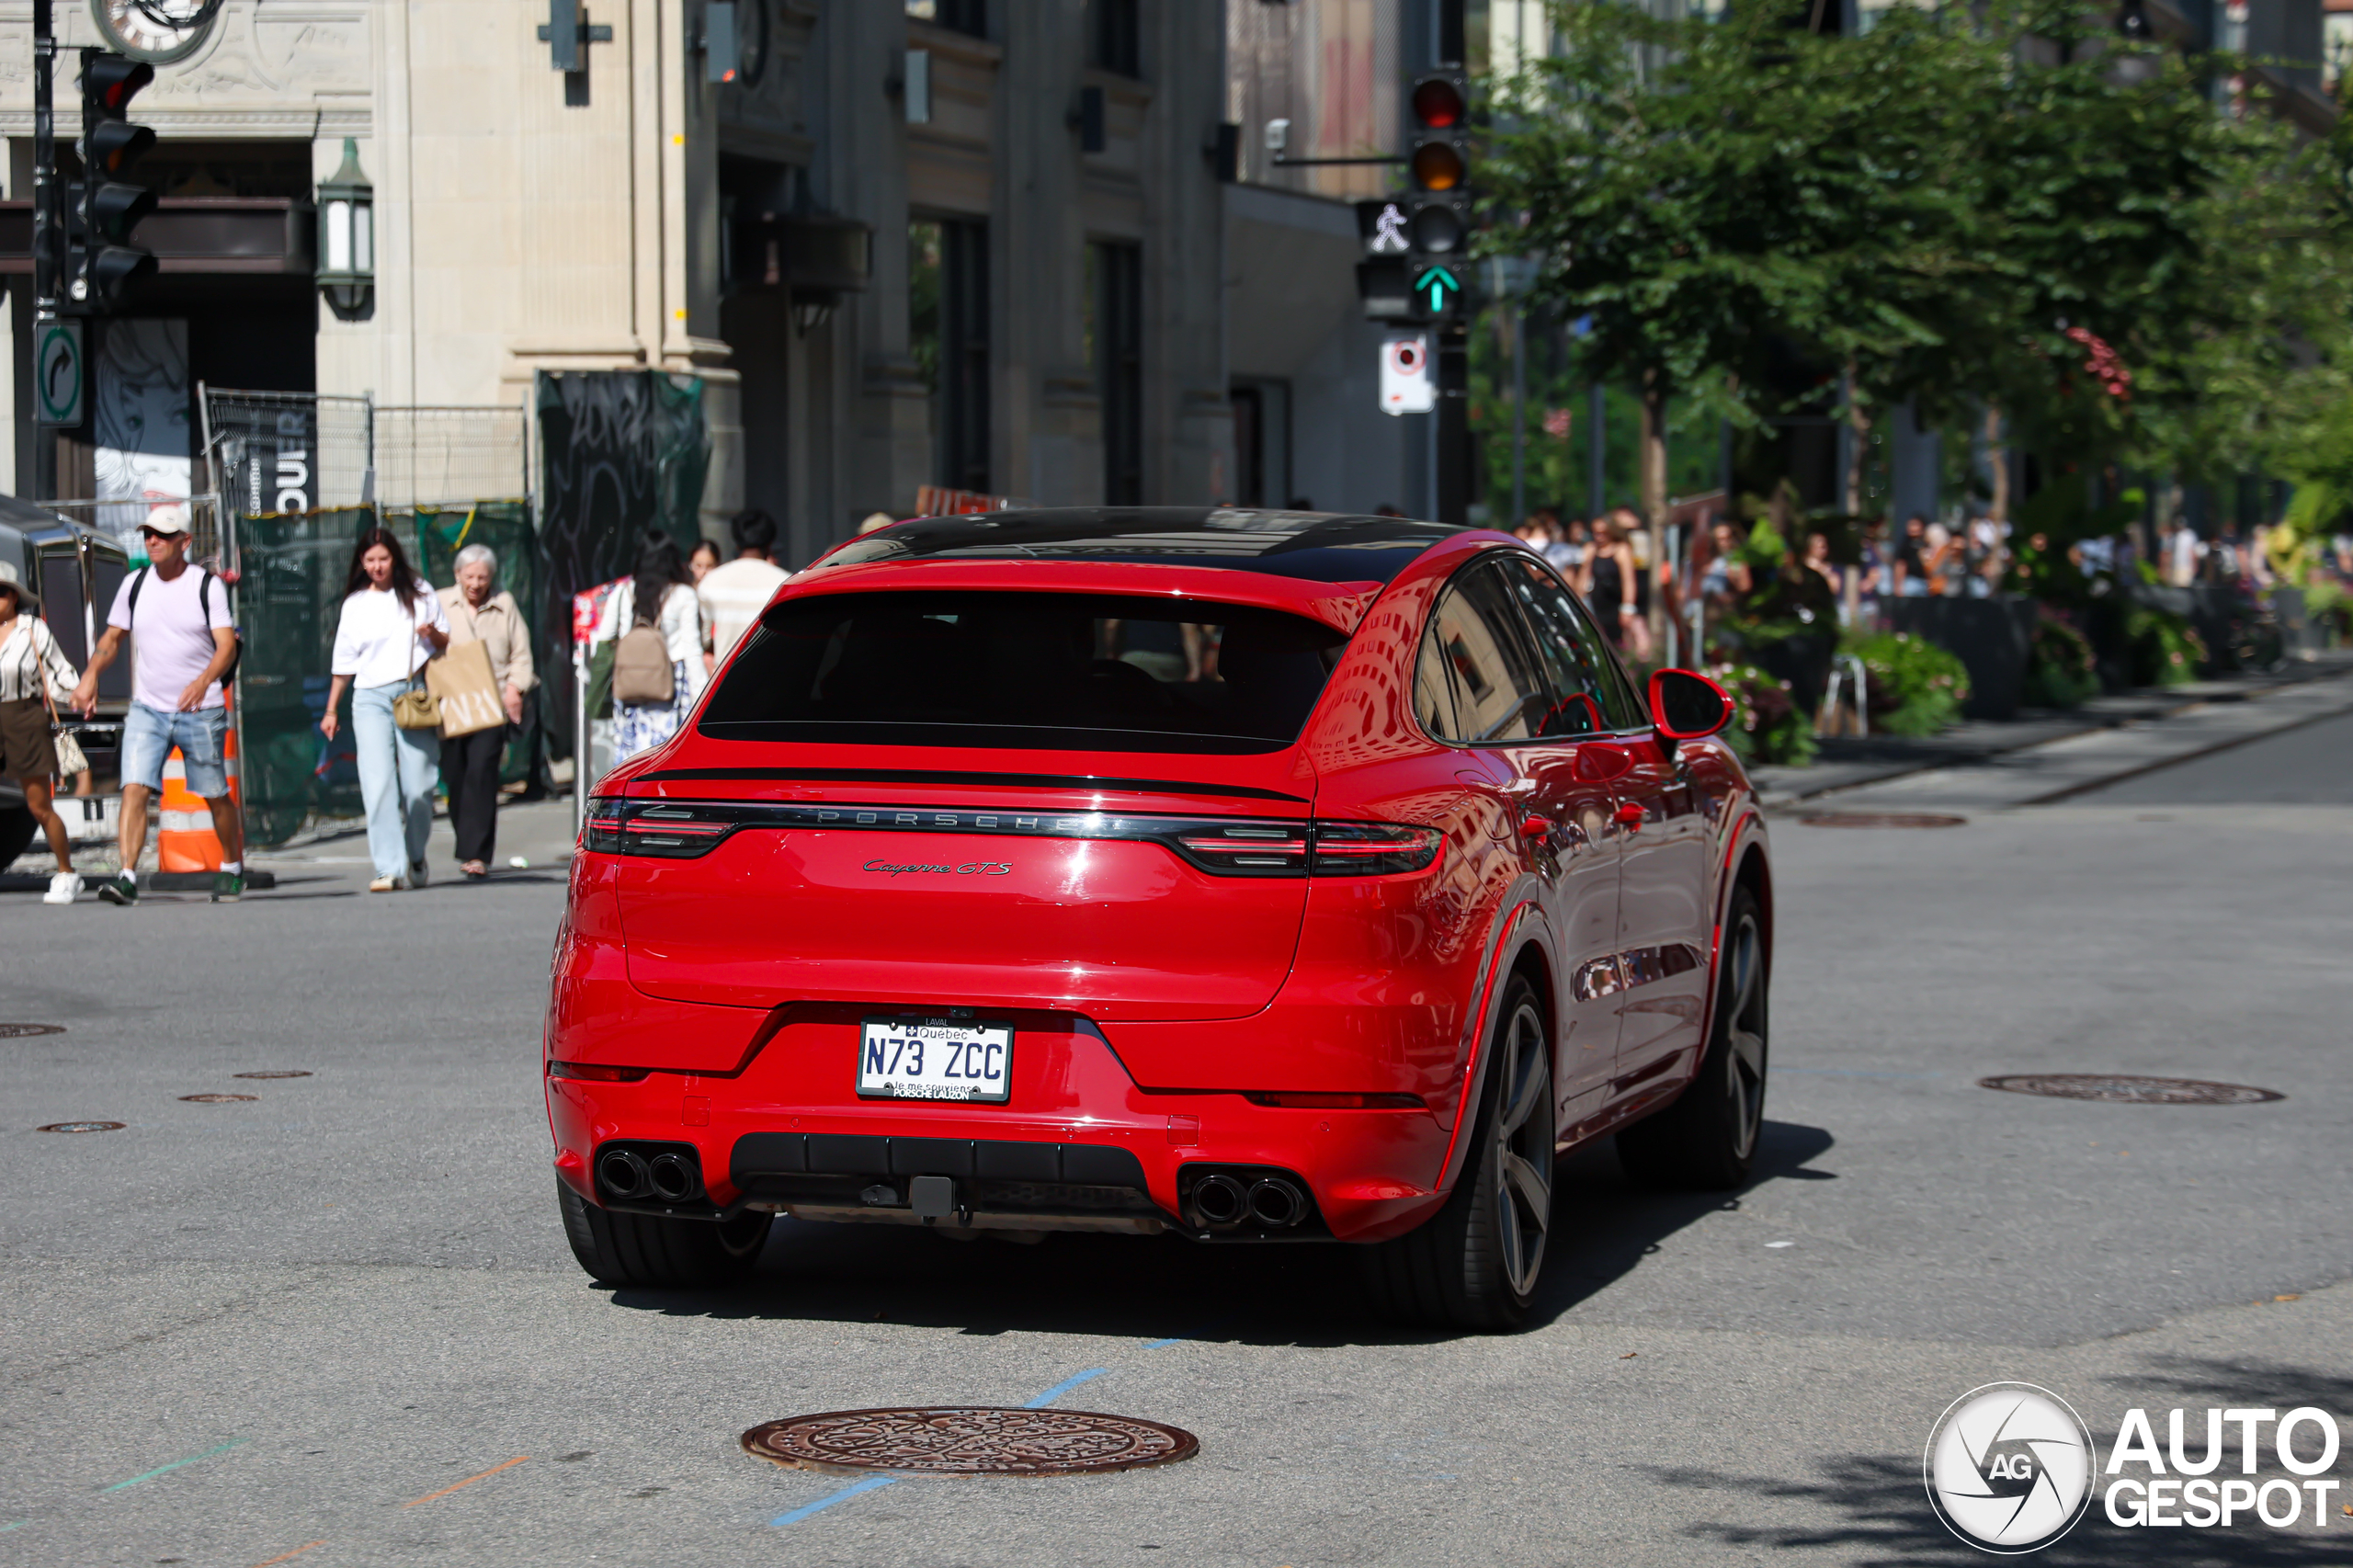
{"type": "Point", "coordinates": [2009, 1468]}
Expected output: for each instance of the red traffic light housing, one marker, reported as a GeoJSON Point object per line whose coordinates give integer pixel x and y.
{"type": "Point", "coordinates": [104, 265]}
{"type": "Point", "coordinates": [1438, 102]}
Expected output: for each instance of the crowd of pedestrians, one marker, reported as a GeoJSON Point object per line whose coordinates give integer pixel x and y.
{"type": "Point", "coordinates": [674, 621]}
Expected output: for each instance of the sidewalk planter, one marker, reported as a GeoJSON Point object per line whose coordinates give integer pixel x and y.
{"type": "Point", "coordinates": [1989, 637]}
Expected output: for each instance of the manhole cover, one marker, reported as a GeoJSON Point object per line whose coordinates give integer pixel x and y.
{"type": "Point", "coordinates": [26, 1031]}
{"type": "Point", "coordinates": [83, 1127]}
{"type": "Point", "coordinates": [217, 1100]}
{"type": "Point", "coordinates": [280, 1073]}
{"type": "Point", "coordinates": [2129, 1089]}
{"type": "Point", "coordinates": [974, 1440]}
{"type": "Point", "coordinates": [1883, 819]}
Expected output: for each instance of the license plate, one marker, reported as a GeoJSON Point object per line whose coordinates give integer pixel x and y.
{"type": "Point", "coordinates": [935, 1058]}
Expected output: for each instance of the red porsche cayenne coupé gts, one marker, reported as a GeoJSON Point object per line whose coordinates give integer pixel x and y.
{"type": "Point", "coordinates": [1248, 876]}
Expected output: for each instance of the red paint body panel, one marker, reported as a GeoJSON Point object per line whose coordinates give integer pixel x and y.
{"type": "Point", "coordinates": [1147, 995]}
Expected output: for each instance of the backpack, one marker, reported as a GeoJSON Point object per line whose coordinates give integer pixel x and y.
{"type": "Point", "coordinates": [203, 603]}
{"type": "Point", "coordinates": [642, 674]}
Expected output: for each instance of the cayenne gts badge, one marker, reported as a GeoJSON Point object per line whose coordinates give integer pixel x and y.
{"type": "Point", "coordinates": [969, 869]}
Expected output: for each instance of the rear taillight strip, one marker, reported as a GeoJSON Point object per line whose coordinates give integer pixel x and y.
{"type": "Point", "coordinates": [1228, 846]}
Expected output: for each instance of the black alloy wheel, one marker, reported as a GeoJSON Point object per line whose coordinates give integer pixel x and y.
{"type": "Point", "coordinates": [624, 1249]}
{"type": "Point", "coordinates": [1474, 1265]}
{"type": "Point", "coordinates": [1706, 1141]}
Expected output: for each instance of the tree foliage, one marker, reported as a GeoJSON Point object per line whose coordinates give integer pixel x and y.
{"type": "Point", "coordinates": [1962, 205]}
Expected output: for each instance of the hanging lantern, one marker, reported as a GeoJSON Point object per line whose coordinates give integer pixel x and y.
{"type": "Point", "coordinates": [347, 272]}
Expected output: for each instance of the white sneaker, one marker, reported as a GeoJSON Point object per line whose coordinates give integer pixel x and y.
{"type": "Point", "coordinates": [384, 885]}
{"type": "Point", "coordinates": [62, 887]}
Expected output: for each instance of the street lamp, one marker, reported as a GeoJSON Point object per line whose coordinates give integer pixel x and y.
{"type": "Point", "coordinates": [347, 237]}
{"type": "Point", "coordinates": [2136, 63]}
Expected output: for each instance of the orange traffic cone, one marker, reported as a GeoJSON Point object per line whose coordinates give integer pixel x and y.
{"type": "Point", "coordinates": [183, 837]}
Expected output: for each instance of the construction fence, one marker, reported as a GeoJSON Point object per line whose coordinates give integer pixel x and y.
{"type": "Point", "coordinates": [298, 476]}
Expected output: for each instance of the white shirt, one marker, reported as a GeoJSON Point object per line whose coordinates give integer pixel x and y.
{"type": "Point", "coordinates": [28, 653]}
{"type": "Point", "coordinates": [173, 642]}
{"type": "Point", "coordinates": [376, 641]}
{"type": "Point", "coordinates": [680, 623]}
{"type": "Point", "coordinates": [732, 596]}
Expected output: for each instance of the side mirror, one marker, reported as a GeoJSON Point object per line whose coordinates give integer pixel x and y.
{"type": "Point", "coordinates": [1688, 706]}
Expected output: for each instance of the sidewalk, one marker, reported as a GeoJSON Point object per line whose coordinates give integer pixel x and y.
{"type": "Point", "coordinates": [1850, 762]}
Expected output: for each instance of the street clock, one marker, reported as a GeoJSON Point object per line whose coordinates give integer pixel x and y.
{"type": "Point", "coordinates": [157, 31]}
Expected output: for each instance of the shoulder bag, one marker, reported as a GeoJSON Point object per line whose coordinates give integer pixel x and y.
{"type": "Point", "coordinates": [70, 758]}
{"type": "Point", "coordinates": [418, 708]}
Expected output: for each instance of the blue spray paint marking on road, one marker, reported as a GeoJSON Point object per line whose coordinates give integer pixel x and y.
{"type": "Point", "coordinates": [1063, 1387]}
{"type": "Point", "coordinates": [1201, 1333]}
{"type": "Point", "coordinates": [17, 1526]}
{"type": "Point", "coordinates": [167, 1469]}
{"type": "Point", "coordinates": [843, 1495]}
{"type": "Point", "coordinates": [1164, 1344]}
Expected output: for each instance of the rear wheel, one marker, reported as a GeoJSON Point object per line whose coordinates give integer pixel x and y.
{"type": "Point", "coordinates": [647, 1249]}
{"type": "Point", "coordinates": [1707, 1139]}
{"type": "Point", "coordinates": [1474, 1265]}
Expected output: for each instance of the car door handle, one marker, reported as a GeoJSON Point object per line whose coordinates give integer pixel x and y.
{"type": "Point", "coordinates": [1631, 816]}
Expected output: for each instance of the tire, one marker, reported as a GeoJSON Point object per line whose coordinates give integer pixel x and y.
{"type": "Point", "coordinates": [648, 1250]}
{"type": "Point", "coordinates": [1475, 1262]}
{"type": "Point", "coordinates": [1706, 1141]}
{"type": "Point", "coordinates": [18, 827]}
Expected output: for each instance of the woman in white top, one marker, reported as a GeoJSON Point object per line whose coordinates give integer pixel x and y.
{"type": "Point", "coordinates": [35, 675]}
{"type": "Point", "coordinates": [391, 623]}
{"type": "Point", "coordinates": [662, 582]}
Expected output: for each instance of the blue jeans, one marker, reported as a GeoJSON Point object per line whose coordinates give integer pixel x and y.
{"type": "Point", "coordinates": [397, 773]}
{"type": "Point", "coordinates": [150, 734]}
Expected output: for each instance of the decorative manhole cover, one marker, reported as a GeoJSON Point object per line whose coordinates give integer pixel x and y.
{"type": "Point", "coordinates": [1883, 819]}
{"type": "Point", "coordinates": [2129, 1089]}
{"type": "Point", "coordinates": [969, 1440]}
{"type": "Point", "coordinates": [217, 1100]}
{"type": "Point", "coordinates": [280, 1073]}
{"type": "Point", "coordinates": [26, 1031]}
{"type": "Point", "coordinates": [83, 1127]}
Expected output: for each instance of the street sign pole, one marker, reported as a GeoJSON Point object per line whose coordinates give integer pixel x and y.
{"type": "Point", "coordinates": [1453, 425]}
{"type": "Point", "coordinates": [45, 238]}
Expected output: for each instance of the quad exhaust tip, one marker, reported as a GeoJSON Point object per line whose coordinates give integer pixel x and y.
{"type": "Point", "coordinates": [623, 1174]}
{"type": "Point", "coordinates": [1276, 1203]}
{"type": "Point", "coordinates": [664, 1176]}
{"type": "Point", "coordinates": [1220, 1201]}
{"type": "Point", "coordinates": [1271, 1202]}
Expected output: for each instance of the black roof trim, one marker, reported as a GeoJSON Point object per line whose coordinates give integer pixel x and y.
{"type": "Point", "coordinates": [1317, 546]}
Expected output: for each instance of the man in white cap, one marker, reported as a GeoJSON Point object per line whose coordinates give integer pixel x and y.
{"type": "Point", "coordinates": [181, 652]}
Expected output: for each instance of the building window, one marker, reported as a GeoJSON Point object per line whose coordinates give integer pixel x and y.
{"type": "Point", "coordinates": [1114, 37]}
{"type": "Point", "coordinates": [948, 319]}
{"type": "Point", "coordinates": [957, 15]}
{"type": "Point", "coordinates": [1114, 333]}
{"type": "Point", "coordinates": [1261, 443]}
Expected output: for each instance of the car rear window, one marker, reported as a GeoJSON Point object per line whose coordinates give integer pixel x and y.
{"type": "Point", "coordinates": [1064, 672]}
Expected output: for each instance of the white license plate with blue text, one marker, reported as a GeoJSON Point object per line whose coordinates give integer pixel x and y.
{"type": "Point", "coordinates": [935, 1058]}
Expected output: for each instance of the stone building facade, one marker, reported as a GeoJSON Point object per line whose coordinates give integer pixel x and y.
{"type": "Point", "coordinates": [976, 243]}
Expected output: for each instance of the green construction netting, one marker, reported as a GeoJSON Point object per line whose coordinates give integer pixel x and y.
{"type": "Point", "coordinates": [293, 568]}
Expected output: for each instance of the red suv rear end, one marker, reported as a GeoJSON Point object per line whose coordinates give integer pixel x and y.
{"type": "Point", "coordinates": [1150, 871]}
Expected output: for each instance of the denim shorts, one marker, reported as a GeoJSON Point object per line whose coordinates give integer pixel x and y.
{"type": "Point", "coordinates": [149, 735]}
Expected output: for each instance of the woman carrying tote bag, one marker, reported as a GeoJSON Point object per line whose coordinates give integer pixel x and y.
{"type": "Point", "coordinates": [391, 623]}
{"type": "Point", "coordinates": [480, 611]}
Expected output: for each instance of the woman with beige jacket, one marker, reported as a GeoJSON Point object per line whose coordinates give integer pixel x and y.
{"type": "Point", "coordinates": [470, 763]}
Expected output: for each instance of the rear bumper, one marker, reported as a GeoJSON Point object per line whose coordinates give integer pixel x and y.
{"type": "Point", "coordinates": [1079, 1145]}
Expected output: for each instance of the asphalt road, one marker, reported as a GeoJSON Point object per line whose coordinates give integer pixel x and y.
{"type": "Point", "coordinates": [341, 1313]}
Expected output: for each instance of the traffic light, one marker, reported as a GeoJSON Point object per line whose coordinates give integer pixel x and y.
{"type": "Point", "coordinates": [1437, 195]}
{"type": "Point", "coordinates": [102, 209]}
